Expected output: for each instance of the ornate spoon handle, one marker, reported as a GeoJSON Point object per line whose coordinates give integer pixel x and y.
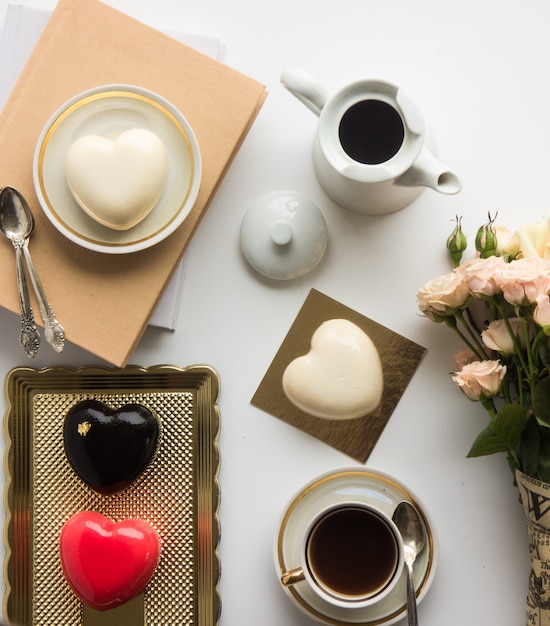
{"type": "Point", "coordinates": [54, 332]}
{"type": "Point", "coordinates": [29, 337]}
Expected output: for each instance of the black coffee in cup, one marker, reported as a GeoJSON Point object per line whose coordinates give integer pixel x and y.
{"type": "Point", "coordinates": [352, 552]}
{"type": "Point", "coordinates": [371, 132]}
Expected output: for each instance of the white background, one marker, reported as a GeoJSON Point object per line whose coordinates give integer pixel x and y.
{"type": "Point", "coordinates": [479, 72]}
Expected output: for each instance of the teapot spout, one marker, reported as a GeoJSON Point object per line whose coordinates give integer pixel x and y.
{"type": "Point", "coordinates": [427, 171]}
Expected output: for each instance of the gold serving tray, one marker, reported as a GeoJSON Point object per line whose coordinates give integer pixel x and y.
{"type": "Point", "coordinates": [178, 494]}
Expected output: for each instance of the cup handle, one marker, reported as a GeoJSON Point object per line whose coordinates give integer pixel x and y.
{"type": "Point", "coordinates": [292, 577]}
{"type": "Point", "coordinates": [303, 86]}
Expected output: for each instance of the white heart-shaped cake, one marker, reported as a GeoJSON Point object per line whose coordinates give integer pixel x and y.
{"type": "Point", "coordinates": [117, 181]}
{"type": "Point", "coordinates": [340, 377]}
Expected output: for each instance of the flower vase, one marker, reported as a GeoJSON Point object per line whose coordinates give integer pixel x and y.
{"type": "Point", "coordinates": [535, 497]}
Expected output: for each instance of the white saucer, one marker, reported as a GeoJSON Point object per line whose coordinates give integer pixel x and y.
{"type": "Point", "coordinates": [362, 485]}
{"type": "Point", "coordinates": [109, 110]}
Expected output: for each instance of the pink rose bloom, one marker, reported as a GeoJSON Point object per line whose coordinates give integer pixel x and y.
{"type": "Point", "coordinates": [524, 279]}
{"type": "Point", "coordinates": [482, 275]}
{"type": "Point", "coordinates": [507, 242]}
{"type": "Point", "coordinates": [481, 379]}
{"type": "Point", "coordinates": [497, 336]}
{"type": "Point", "coordinates": [443, 295]}
{"type": "Point", "coordinates": [541, 314]}
{"type": "Point", "coordinates": [533, 239]}
{"type": "Point", "coordinates": [464, 357]}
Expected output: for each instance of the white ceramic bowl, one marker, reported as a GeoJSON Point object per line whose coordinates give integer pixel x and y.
{"type": "Point", "coordinates": [108, 110]}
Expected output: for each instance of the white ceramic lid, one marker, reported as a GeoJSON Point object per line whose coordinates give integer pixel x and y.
{"type": "Point", "coordinates": [283, 235]}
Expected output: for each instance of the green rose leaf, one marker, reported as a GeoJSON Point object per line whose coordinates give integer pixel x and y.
{"type": "Point", "coordinates": [541, 401]}
{"type": "Point", "coordinates": [487, 442]}
{"type": "Point", "coordinates": [529, 449]}
{"type": "Point", "coordinates": [544, 458]}
{"type": "Point", "coordinates": [502, 434]}
{"type": "Point", "coordinates": [544, 353]}
{"type": "Point", "coordinates": [534, 450]}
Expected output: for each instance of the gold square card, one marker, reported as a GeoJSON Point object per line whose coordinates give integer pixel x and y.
{"type": "Point", "coordinates": [355, 437]}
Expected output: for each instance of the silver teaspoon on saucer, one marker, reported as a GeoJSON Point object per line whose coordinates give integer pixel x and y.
{"type": "Point", "coordinates": [407, 520]}
{"type": "Point", "coordinates": [17, 223]}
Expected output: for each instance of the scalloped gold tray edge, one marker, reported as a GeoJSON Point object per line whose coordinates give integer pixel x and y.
{"type": "Point", "coordinates": [22, 386]}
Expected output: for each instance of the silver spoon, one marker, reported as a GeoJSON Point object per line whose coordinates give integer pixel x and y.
{"type": "Point", "coordinates": [10, 227]}
{"type": "Point", "coordinates": [407, 520]}
{"type": "Point", "coordinates": [17, 223]}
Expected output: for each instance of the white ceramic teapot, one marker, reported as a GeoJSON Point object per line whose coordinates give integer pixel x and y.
{"type": "Point", "coordinates": [369, 152]}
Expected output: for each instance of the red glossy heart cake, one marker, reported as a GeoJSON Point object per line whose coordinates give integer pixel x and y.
{"type": "Point", "coordinates": [107, 563]}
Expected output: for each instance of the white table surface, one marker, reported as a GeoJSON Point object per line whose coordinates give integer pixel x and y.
{"type": "Point", "coordinates": [479, 72]}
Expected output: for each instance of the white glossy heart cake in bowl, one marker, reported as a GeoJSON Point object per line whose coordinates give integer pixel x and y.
{"type": "Point", "coordinates": [119, 181]}
{"type": "Point", "coordinates": [117, 169]}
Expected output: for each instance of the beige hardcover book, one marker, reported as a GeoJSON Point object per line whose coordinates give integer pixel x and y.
{"type": "Point", "coordinates": [104, 300]}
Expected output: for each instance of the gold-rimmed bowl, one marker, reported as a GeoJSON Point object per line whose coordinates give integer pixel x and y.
{"type": "Point", "coordinates": [109, 110]}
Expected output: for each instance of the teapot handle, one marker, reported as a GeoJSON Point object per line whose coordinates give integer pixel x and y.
{"type": "Point", "coordinates": [305, 87]}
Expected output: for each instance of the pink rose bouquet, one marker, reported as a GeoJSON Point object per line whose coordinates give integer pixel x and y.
{"type": "Point", "coordinates": [506, 360]}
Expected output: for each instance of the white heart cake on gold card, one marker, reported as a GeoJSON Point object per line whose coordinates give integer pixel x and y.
{"type": "Point", "coordinates": [117, 181]}
{"type": "Point", "coordinates": [341, 377]}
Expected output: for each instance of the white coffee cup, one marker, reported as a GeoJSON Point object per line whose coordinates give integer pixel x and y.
{"type": "Point", "coordinates": [351, 555]}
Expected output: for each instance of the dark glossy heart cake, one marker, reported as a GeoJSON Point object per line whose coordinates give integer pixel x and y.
{"type": "Point", "coordinates": [109, 448]}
